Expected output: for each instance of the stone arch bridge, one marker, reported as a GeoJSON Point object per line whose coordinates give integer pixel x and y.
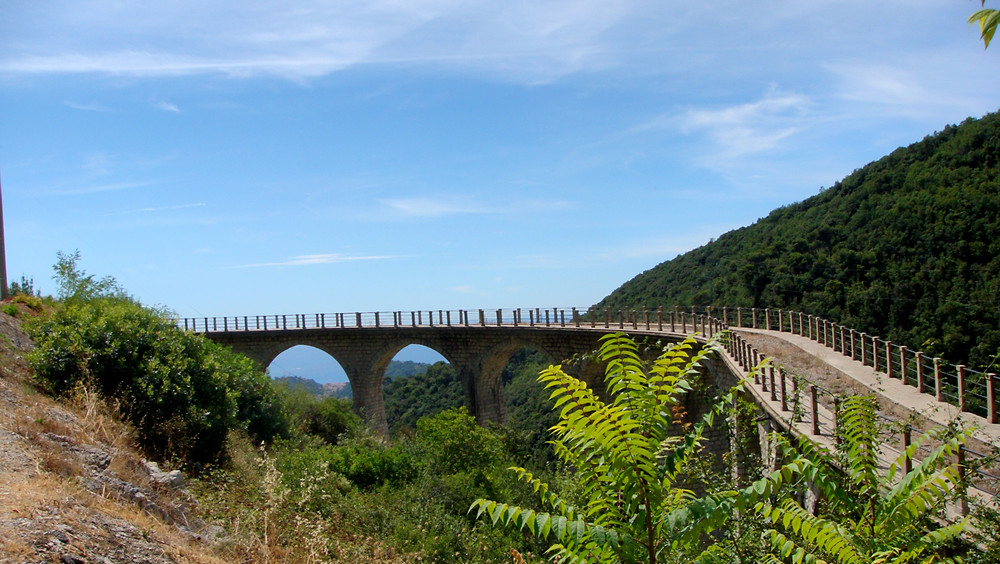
{"type": "Point", "coordinates": [914, 388]}
{"type": "Point", "coordinates": [476, 343]}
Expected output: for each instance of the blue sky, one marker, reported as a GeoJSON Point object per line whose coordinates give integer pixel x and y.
{"type": "Point", "coordinates": [241, 158]}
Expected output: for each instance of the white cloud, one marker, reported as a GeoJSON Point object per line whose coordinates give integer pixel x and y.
{"type": "Point", "coordinates": [307, 260]}
{"type": "Point", "coordinates": [427, 207]}
{"type": "Point", "coordinates": [168, 107]}
{"type": "Point", "coordinates": [92, 107]}
{"type": "Point", "coordinates": [749, 128]}
{"type": "Point", "coordinates": [112, 187]}
{"type": "Point", "coordinates": [311, 39]}
{"type": "Point", "coordinates": [157, 209]}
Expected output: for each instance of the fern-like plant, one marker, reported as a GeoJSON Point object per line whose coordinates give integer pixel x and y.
{"type": "Point", "coordinates": [868, 515]}
{"type": "Point", "coordinates": [626, 453]}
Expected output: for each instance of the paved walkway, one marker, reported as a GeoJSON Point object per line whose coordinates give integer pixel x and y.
{"type": "Point", "coordinates": [897, 400]}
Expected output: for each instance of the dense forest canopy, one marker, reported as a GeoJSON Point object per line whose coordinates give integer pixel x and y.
{"type": "Point", "coordinates": [907, 248]}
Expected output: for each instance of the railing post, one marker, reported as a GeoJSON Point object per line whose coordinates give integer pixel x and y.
{"type": "Point", "coordinates": [756, 362]}
{"type": "Point", "coordinates": [739, 317]}
{"type": "Point", "coordinates": [781, 320]}
{"type": "Point", "coordinates": [576, 318]}
{"type": "Point", "coordinates": [963, 498]}
{"type": "Point", "coordinates": [767, 318]}
{"type": "Point", "coordinates": [814, 410]}
{"type": "Point", "coordinates": [593, 317]}
{"type": "Point", "coordinates": [607, 317]}
{"type": "Point", "coordinates": [784, 400]}
{"type": "Point", "coordinates": [185, 324]}
{"type": "Point", "coordinates": [482, 318]}
{"type": "Point", "coordinates": [725, 314]}
{"type": "Point", "coordinates": [920, 371]}
{"type": "Point", "coordinates": [754, 318]}
{"type": "Point", "coordinates": [902, 364]}
{"type": "Point", "coordinates": [500, 317]}
{"type": "Point", "coordinates": [265, 323]}
{"type": "Point", "coordinates": [801, 325]}
{"type": "Point", "coordinates": [546, 318]}
{"type": "Point", "coordinates": [774, 393]}
{"type": "Point", "coordinates": [907, 461]}
{"type": "Point", "coordinates": [645, 316]}
{"type": "Point", "coordinates": [962, 404]}
{"type": "Point", "coordinates": [843, 343]}
{"type": "Point", "coordinates": [357, 317]}
{"type": "Point", "coordinates": [684, 322]}
{"type": "Point", "coordinates": [659, 318]}
{"type": "Point", "coordinates": [875, 354]}
{"type": "Point", "coordinates": [673, 320]}
{"type": "Point", "coordinates": [864, 354]}
{"type": "Point", "coordinates": [836, 419]}
{"type": "Point", "coordinates": [888, 359]}
{"type": "Point", "coordinates": [810, 327]}
{"type": "Point", "coordinates": [991, 398]}
{"type": "Point", "coordinates": [938, 389]}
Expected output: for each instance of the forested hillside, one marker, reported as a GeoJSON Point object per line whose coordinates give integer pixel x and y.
{"type": "Point", "coordinates": [907, 248]}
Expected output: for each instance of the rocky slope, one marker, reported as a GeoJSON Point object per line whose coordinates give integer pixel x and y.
{"type": "Point", "coordinates": [72, 488]}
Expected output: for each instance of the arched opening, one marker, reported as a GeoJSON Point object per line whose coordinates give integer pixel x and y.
{"type": "Point", "coordinates": [316, 391]}
{"type": "Point", "coordinates": [312, 369]}
{"type": "Point", "coordinates": [529, 410]}
{"type": "Point", "coordinates": [419, 382]}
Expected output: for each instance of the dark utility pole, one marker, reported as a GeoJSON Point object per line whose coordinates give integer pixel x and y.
{"type": "Point", "coordinates": [3, 255]}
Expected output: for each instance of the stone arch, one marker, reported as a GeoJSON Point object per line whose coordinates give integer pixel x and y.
{"type": "Point", "coordinates": [486, 397]}
{"type": "Point", "coordinates": [290, 347]}
{"type": "Point", "coordinates": [384, 355]}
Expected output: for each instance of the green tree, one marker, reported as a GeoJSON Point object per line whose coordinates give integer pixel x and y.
{"type": "Point", "coordinates": [627, 455]}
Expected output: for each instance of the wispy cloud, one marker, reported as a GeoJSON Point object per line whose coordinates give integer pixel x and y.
{"type": "Point", "coordinates": [428, 207]}
{"type": "Point", "coordinates": [113, 187]}
{"type": "Point", "coordinates": [168, 107]}
{"type": "Point", "coordinates": [181, 38]}
{"type": "Point", "coordinates": [329, 258]}
{"type": "Point", "coordinates": [157, 209]}
{"type": "Point", "coordinates": [749, 128]}
{"type": "Point", "coordinates": [447, 205]}
{"type": "Point", "coordinates": [91, 107]}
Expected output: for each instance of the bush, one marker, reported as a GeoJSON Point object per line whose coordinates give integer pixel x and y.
{"type": "Point", "coordinates": [182, 392]}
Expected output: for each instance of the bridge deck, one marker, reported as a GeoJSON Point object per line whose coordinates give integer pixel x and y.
{"type": "Point", "coordinates": [899, 402]}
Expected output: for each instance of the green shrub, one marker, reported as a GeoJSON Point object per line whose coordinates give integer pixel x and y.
{"type": "Point", "coordinates": [9, 309]}
{"type": "Point", "coordinates": [183, 392]}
